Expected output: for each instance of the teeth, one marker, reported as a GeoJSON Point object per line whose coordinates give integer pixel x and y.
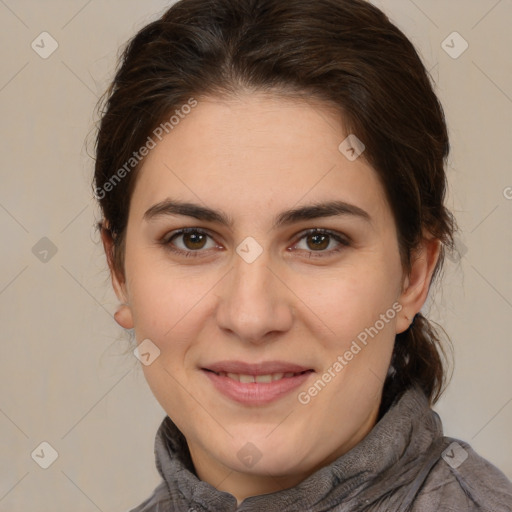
{"type": "Point", "coordinates": [246, 379]}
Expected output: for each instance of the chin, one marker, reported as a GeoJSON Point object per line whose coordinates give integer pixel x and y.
{"type": "Point", "coordinates": [266, 455]}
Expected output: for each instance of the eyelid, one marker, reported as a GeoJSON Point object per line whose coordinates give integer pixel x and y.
{"type": "Point", "coordinates": [183, 231]}
{"type": "Point", "coordinates": [337, 235]}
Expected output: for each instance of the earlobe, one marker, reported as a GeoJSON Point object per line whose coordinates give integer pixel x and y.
{"type": "Point", "coordinates": [417, 283]}
{"type": "Point", "coordinates": [123, 316]}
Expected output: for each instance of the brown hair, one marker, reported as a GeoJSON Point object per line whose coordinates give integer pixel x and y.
{"type": "Point", "coordinates": [345, 53]}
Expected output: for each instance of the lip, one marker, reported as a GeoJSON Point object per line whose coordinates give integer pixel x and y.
{"type": "Point", "coordinates": [256, 393]}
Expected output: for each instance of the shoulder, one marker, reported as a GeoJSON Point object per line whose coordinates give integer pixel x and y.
{"type": "Point", "coordinates": [462, 480]}
{"type": "Point", "coordinates": [158, 502]}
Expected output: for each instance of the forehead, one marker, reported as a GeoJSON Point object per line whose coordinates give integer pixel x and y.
{"type": "Point", "coordinates": [256, 152]}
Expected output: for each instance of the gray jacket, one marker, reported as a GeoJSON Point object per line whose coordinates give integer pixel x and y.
{"type": "Point", "coordinates": [403, 464]}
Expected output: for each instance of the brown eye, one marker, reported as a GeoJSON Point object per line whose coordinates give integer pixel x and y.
{"type": "Point", "coordinates": [321, 242]}
{"type": "Point", "coordinates": [194, 240]}
{"type": "Point", "coordinates": [189, 242]}
{"type": "Point", "coordinates": [318, 242]}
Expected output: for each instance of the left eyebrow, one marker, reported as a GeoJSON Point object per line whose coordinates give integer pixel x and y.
{"type": "Point", "coordinates": [319, 210]}
{"type": "Point", "coordinates": [286, 218]}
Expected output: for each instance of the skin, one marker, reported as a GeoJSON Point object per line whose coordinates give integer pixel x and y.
{"type": "Point", "coordinates": [253, 157]}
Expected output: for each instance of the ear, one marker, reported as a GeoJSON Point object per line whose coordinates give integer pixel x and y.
{"type": "Point", "coordinates": [417, 283]}
{"type": "Point", "coordinates": [123, 315]}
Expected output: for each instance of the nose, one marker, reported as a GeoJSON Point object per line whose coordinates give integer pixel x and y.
{"type": "Point", "coordinates": [254, 304]}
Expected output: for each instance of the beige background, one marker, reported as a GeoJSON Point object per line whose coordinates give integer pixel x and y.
{"type": "Point", "coordinates": [68, 377]}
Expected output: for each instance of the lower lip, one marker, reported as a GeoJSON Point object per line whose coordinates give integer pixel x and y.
{"type": "Point", "coordinates": [256, 393]}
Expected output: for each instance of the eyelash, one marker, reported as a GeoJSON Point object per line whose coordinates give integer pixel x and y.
{"type": "Point", "coordinates": [342, 240]}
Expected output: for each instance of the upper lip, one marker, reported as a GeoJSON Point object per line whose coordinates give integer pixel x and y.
{"type": "Point", "coordinates": [242, 368]}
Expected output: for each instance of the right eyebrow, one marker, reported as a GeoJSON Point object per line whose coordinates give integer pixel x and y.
{"type": "Point", "coordinates": [173, 207]}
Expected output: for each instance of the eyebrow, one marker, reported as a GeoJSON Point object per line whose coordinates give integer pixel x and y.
{"type": "Point", "coordinates": [170, 207]}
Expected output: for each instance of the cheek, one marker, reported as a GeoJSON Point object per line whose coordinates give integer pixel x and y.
{"type": "Point", "coordinates": [351, 300]}
{"type": "Point", "coordinates": [357, 309]}
{"type": "Point", "coordinates": [170, 308]}
{"type": "Point", "coordinates": [163, 299]}
{"type": "Point", "coordinates": [166, 310]}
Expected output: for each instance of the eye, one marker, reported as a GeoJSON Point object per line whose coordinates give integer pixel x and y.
{"type": "Point", "coordinates": [319, 240]}
{"type": "Point", "coordinates": [191, 241]}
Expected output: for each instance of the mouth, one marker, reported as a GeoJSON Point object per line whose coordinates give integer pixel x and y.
{"type": "Point", "coordinates": [251, 384]}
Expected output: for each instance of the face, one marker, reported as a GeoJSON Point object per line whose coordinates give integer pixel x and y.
{"type": "Point", "coordinates": [304, 301]}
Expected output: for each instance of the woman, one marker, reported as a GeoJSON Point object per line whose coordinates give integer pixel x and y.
{"type": "Point", "coordinates": [271, 178]}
